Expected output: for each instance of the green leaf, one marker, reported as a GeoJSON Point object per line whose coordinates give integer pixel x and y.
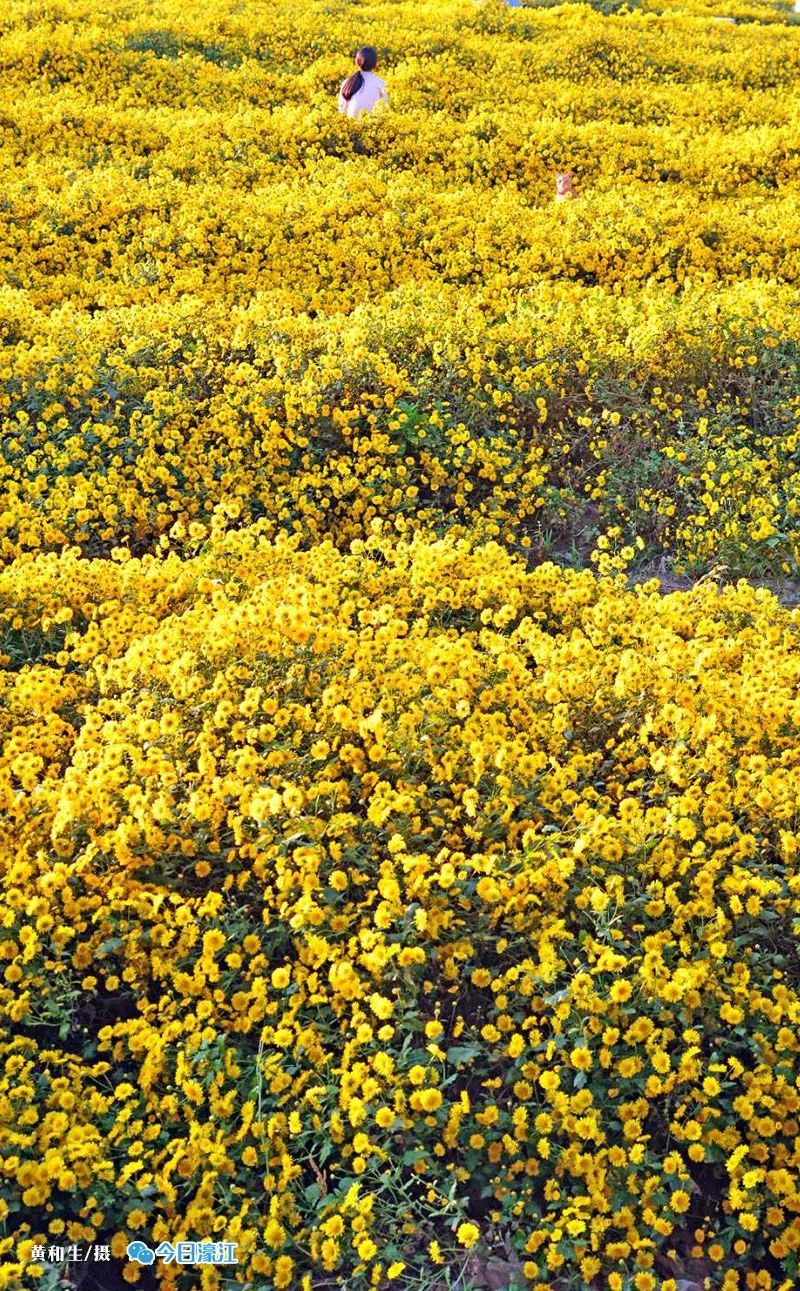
{"type": "Point", "coordinates": [462, 1053]}
{"type": "Point", "coordinates": [113, 943]}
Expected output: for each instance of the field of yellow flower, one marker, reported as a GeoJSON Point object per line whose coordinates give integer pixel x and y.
{"type": "Point", "coordinates": [389, 887]}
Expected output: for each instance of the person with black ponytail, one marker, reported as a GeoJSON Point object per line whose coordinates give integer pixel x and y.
{"type": "Point", "coordinates": [363, 90]}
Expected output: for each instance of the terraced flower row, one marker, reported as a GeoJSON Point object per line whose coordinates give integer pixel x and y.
{"type": "Point", "coordinates": [207, 266]}
{"type": "Point", "coordinates": [401, 884]}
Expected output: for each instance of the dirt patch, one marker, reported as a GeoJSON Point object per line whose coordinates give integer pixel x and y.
{"type": "Point", "coordinates": [786, 590]}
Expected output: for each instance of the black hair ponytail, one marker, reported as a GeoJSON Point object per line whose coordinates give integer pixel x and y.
{"type": "Point", "coordinates": [366, 61]}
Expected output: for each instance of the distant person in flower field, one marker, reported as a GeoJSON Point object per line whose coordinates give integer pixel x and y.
{"type": "Point", "coordinates": [363, 90]}
{"type": "Point", "coordinates": [564, 189]}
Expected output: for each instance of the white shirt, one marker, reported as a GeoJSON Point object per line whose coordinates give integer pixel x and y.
{"type": "Point", "coordinates": [373, 89]}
